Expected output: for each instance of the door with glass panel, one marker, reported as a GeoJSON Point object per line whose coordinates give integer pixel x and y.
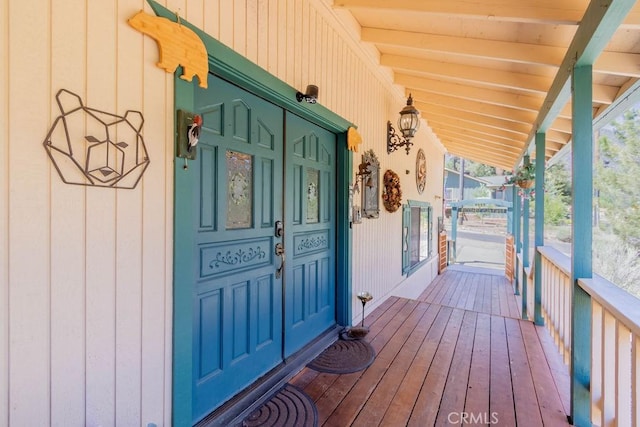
{"type": "Point", "coordinates": [237, 294]}
{"type": "Point", "coordinates": [310, 232]}
{"type": "Point", "coordinates": [262, 242]}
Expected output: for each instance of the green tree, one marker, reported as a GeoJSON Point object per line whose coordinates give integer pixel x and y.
{"type": "Point", "coordinates": [558, 182]}
{"type": "Point", "coordinates": [616, 178]}
{"type": "Point", "coordinates": [470, 167]}
{"type": "Point", "coordinates": [479, 169]}
{"type": "Point", "coordinates": [452, 162]}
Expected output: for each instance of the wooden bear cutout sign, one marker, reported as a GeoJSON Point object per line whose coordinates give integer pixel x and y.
{"type": "Point", "coordinates": [353, 139]}
{"type": "Point", "coordinates": [178, 45]}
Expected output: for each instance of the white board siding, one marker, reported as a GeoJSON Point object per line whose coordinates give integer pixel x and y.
{"type": "Point", "coordinates": [4, 214]}
{"type": "Point", "coordinates": [86, 273]}
{"type": "Point", "coordinates": [68, 237]}
{"type": "Point", "coordinates": [29, 203]}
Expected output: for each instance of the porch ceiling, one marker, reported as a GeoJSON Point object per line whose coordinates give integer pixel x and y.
{"type": "Point", "coordinates": [488, 74]}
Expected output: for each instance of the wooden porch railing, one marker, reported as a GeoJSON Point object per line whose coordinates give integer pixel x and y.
{"type": "Point", "coordinates": [556, 298]}
{"type": "Point", "coordinates": [615, 338]}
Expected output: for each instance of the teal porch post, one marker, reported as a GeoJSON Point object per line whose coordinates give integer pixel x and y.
{"type": "Point", "coordinates": [454, 229]}
{"type": "Point", "coordinates": [516, 236]}
{"type": "Point", "coordinates": [581, 267]}
{"type": "Point", "coordinates": [525, 247]}
{"type": "Point", "coordinates": [539, 227]}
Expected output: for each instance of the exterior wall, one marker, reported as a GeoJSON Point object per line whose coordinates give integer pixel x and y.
{"type": "Point", "coordinates": [86, 273]}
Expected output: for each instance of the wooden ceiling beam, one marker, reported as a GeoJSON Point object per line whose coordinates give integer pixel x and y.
{"type": "Point", "coordinates": [563, 125]}
{"type": "Point", "coordinates": [479, 154]}
{"type": "Point", "coordinates": [618, 63]}
{"type": "Point", "coordinates": [515, 148]}
{"type": "Point", "coordinates": [438, 120]}
{"type": "Point", "coordinates": [471, 146]}
{"type": "Point", "coordinates": [510, 114]}
{"type": "Point", "coordinates": [559, 137]}
{"type": "Point", "coordinates": [467, 151]}
{"type": "Point", "coordinates": [602, 94]}
{"type": "Point", "coordinates": [490, 96]}
{"type": "Point", "coordinates": [564, 12]}
{"type": "Point", "coordinates": [479, 75]}
{"type": "Point", "coordinates": [502, 164]}
{"type": "Point", "coordinates": [429, 110]}
{"type": "Point", "coordinates": [526, 53]}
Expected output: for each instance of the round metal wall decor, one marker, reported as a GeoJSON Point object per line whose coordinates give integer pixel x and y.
{"type": "Point", "coordinates": [421, 170]}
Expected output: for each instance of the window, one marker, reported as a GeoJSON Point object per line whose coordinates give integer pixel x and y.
{"type": "Point", "coordinates": [417, 232]}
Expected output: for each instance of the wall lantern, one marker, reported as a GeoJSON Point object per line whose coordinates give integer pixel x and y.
{"type": "Point", "coordinates": [363, 176]}
{"type": "Point", "coordinates": [310, 96]}
{"type": "Point", "coordinates": [408, 123]}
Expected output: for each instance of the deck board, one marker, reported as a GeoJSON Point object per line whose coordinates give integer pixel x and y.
{"type": "Point", "coordinates": [477, 396]}
{"type": "Point", "coordinates": [456, 350]}
{"type": "Point", "coordinates": [453, 397]}
{"type": "Point", "coordinates": [478, 292]}
{"type": "Point", "coordinates": [527, 410]}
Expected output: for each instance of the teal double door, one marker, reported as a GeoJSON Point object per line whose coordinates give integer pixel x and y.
{"type": "Point", "coordinates": [260, 261]}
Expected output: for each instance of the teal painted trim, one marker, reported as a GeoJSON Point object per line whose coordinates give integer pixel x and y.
{"type": "Point", "coordinates": [406, 222]}
{"type": "Point", "coordinates": [525, 250]}
{"type": "Point", "coordinates": [510, 220]}
{"type": "Point", "coordinates": [525, 255]}
{"type": "Point", "coordinates": [581, 246]}
{"type": "Point", "coordinates": [469, 202]}
{"type": "Point", "coordinates": [539, 226]}
{"type": "Point", "coordinates": [516, 234]}
{"type": "Point", "coordinates": [610, 15]}
{"type": "Point", "coordinates": [344, 234]}
{"type": "Point", "coordinates": [183, 263]}
{"type": "Point", "coordinates": [454, 230]}
{"type": "Point", "coordinates": [231, 66]}
{"type": "Point", "coordinates": [405, 244]}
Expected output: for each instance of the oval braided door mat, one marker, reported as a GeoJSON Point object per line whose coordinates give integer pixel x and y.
{"type": "Point", "coordinates": [344, 357]}
{"type": "Point", "coordinates": [289, 407]}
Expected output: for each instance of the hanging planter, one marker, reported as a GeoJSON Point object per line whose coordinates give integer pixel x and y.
{"type": "Point", "coordinates": [525, 183]}
{"type": "Point", "coordinates": [524, 176]}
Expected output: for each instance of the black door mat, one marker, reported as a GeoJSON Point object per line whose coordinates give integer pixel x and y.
{"type": "Point", "coordinates": [344, 357]}
{"type": "Point", "coordinates": [289, 407]}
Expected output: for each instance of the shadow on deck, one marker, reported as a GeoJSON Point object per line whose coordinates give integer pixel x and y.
{"type": "Point", "coordinates": [456, 355]}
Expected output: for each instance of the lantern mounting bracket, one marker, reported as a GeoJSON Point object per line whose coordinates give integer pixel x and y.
{"type": "Point", "coordinates": [396, 141]}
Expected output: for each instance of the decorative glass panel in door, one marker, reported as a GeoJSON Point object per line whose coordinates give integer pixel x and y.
{"type": "Point", "coordinates": [310, 232]}
{"type": "Point", "coordinates": [235, 190]}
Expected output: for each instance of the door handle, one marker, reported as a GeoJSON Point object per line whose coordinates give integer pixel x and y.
{"type": "Point", "coordinates": [280, 252]}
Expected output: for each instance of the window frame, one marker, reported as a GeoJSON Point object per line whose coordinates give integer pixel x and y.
{"type": "Point", "coordinates": [407, 268]}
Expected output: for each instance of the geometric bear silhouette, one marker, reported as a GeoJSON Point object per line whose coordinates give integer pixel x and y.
{"type": "Point", "coordinates": [95, 148]}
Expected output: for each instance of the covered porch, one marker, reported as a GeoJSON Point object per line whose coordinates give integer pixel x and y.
{"type": "Point", "coordinates": [458, 354]}
{"type": "Point", "coordinates": [94, 320]}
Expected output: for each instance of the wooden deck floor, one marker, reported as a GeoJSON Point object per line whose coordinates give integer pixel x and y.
{"type": "Point", "coordinates": [456, 356]}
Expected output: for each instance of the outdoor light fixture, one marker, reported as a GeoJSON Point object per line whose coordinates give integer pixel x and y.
{"type": "Point", "coordinates": [408, 123]}
{"type": "Point", "coordinates": [310, 96]}
{"type": "Point", "coordinates": [363, 176]}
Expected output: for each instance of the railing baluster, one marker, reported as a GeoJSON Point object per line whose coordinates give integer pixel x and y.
{"type": "Point", "coordinates": [635, 386]}
{"type": "Point", "coordinates": [623, 375]}
{"type": "Point", "coordinates": [596, 362]}
{"type": "Point", "coordinates": [608, 370]}
{"type": "Point", "coordinates": [568, 292]}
